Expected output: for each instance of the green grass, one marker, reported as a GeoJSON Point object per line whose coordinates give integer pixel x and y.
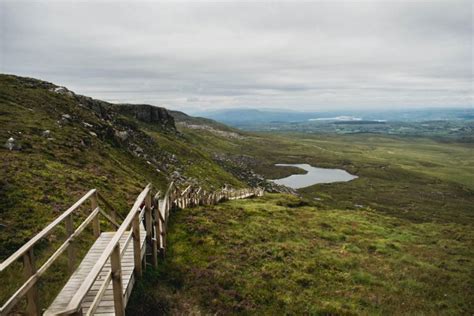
{"type": "Point", "coordinates": [267, 256]}
{"type": "Point", "coordinates": [49, 174]}
{"type": "Point", "coordinates": [397, 240]}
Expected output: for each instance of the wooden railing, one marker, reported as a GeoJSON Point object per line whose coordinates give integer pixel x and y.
{"type": "Point", "coordinates": [26, 252]}
{"type": "Point", "coordinates": [153, 213]}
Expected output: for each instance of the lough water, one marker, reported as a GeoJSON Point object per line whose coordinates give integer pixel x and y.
{"type": "Point", "coordinates": [313, 176]}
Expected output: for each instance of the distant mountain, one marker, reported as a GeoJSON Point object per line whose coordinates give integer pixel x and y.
{"type": "Point", "coordinates": [239, 116]}
{"type": "Point", "coordinates": [249, 117]}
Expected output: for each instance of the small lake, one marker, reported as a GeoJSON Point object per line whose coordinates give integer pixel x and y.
{"type": "Point", "coordinates": [314, 175]}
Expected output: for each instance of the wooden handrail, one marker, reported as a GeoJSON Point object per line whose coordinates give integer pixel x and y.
{"type": "Point", "coordinates": [75, 303]}
{"type": "Point", "coordinates": [20, 252]}
{"type": "Point", "coordinates": [112, 208]}
{"type": "Point", "coordinates": [154, 213]}
{"type": "Point", "coordinates": [34, 278]}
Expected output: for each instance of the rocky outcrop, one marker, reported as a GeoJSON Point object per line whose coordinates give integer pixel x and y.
{"type": "Point", "coordinates": [148, 114]}
{"type": "Point", "coordinates": [240, 166]}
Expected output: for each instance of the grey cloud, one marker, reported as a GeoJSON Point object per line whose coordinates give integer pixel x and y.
{"type": "Point", "coordinates": [303, 55]}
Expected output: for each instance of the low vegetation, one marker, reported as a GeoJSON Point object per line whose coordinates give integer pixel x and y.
{"type": "Point", "coordinates": [275, 253]}
{"type": "Point", "coordinates": [397, 240]}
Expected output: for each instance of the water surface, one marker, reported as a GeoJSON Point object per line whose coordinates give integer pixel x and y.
{"type": "Point", "coordinates": [313, 176]}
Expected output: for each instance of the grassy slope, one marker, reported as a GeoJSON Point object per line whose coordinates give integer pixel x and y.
{"type": "Point", "coordinates": [407, 249]}
{"type": "Point", "coordinates": [412, 234]}
{"type": "Point", "coordinates": [272, 255]}
{"type": "Point", "coordinates": [46, 176]}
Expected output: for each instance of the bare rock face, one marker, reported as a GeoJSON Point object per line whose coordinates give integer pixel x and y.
{"type": "Point", "coordinates": [149, 114]}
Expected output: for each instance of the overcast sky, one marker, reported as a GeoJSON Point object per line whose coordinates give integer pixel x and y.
{"type": "Point", "coordinates": [292, 55]}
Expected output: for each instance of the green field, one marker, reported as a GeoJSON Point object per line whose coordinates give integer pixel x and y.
{"type": "Point", "coordinates": [397, 240]}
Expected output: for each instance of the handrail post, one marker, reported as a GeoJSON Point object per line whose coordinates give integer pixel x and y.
{"type": "Point", "coordinates": [32, 307]}
{"type": "Point", "coordinates": [148, 223]}
{"type": "Point", "coordinates": [117, 286]}
{"type": "Point", "coordinates": [95, 222]}
{"type": "Point", "coordinates": [71, 252]}
{"type": "Point", "coordinates": [158, 231]}
{"type": "Point", "coordinates": [155, 241]}
{"type": "Point", "coordinates": [136, 245]}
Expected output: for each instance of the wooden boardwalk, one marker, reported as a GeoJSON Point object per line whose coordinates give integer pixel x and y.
{"type": "Point", "coordinates": [103, 281]}
{"type": "Point", "coordinates": [106, 304]}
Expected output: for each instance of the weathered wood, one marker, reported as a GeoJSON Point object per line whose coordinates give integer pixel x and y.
{"type": "Point", "coordinates": [81, 292]}
{"type": "Point", "coordinates": [155, 219]}
{"type": "Point", "coordinates": [157, 237]}
{"type": "Point", "coordinates": [29, 269]}
{"type": "Point", "coordinates": [109, 218]}
{"type": "Point", "coordinates": [95, 222]}
{"type": "Point", "coordinates": [19, 253]}
{"type": "Point", "coordinates": [116, 266]}
{"type": "Point", "coordinates": [71, 251]}
{"type": "Point", "coordinates": [74, 283]}
{"type": "Point", "coordinates": [136, 246]}
{"type": "Point", "coordinates": [148, 220]}
{"type": "Point", "coordinates": [115, 214]}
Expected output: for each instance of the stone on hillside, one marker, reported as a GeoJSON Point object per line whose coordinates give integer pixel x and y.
{"type": "Point", "coordinates": [10, 144]}
{"type": "Point", "coordinates": [122, 135]}
{"type": "Point", "coordinates": [64, 91]}
{"type": "Point", "coordinates": [149, 114]}
{"type": "Point", "coordinates": [93, 134]}
{"type": "Point", "coordinates": [46, 133]}
{"type": "Point", "coordinates": [87, 125]}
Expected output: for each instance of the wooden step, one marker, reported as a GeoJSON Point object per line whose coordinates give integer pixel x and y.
{"type": "Point", "coordinates": [106, 305]}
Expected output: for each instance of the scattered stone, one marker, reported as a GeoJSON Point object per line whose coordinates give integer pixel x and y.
{"type": "Point", "coordinates": [358, 205]}
{"type": "Point", "coordinates": [10, 144]}
{"type": "Point", "coordinates": [93, 134]}
{"type": "Point", "coordinates": [64, 91]}
{"type": "Point", "coordinates": [87, 125]}
{"type": "Point", "coordinates": [66, 116]}
{"type": "Point", "coordinates": [46, 133]}
{"type": "Point", "coordinates": [123, 135]}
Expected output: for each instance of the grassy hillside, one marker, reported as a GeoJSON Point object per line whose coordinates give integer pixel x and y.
{"type": "Point", "coordinates": [397, 240]}
{"type": "Point", "coordinates": [55, 146]}
{"type": "Point", "coordinates": [276, 255]}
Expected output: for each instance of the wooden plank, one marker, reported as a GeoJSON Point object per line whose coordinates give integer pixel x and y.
{"type": "Point", "coordinates": [76, 280]}
{"type": "Point", "coordinates": [82, 291]}
{"type": "Point", "coordinates": [29, 269]}
{"type": "Point", "coordinates": [95, 222]}
{"type": "Point", "coordinates": [137, 246]}
{"type": "Point", "coordinates": [33, 279]}
{"type": "Point", "coordinates": [118, 304]}
{"type": "Point", "coordinates": [71, 252]}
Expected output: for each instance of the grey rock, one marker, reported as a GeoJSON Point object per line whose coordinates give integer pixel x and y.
{"type": "Point", "coordinates": [64, 91]}
{"type": "Point", "coordinates": [10, 144]}
{"type": "Point", "coordinates": [149, 114]}
{"type": "Point", "coordinates": [65, 117]}
{"type": "Point", "coordinates": [46, 133]}
{"type": "Point", "coordinates": [123, 135]}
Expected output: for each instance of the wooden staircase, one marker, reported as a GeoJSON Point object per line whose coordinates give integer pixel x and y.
{"type": "Point", "coordinates": [104, 279]}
